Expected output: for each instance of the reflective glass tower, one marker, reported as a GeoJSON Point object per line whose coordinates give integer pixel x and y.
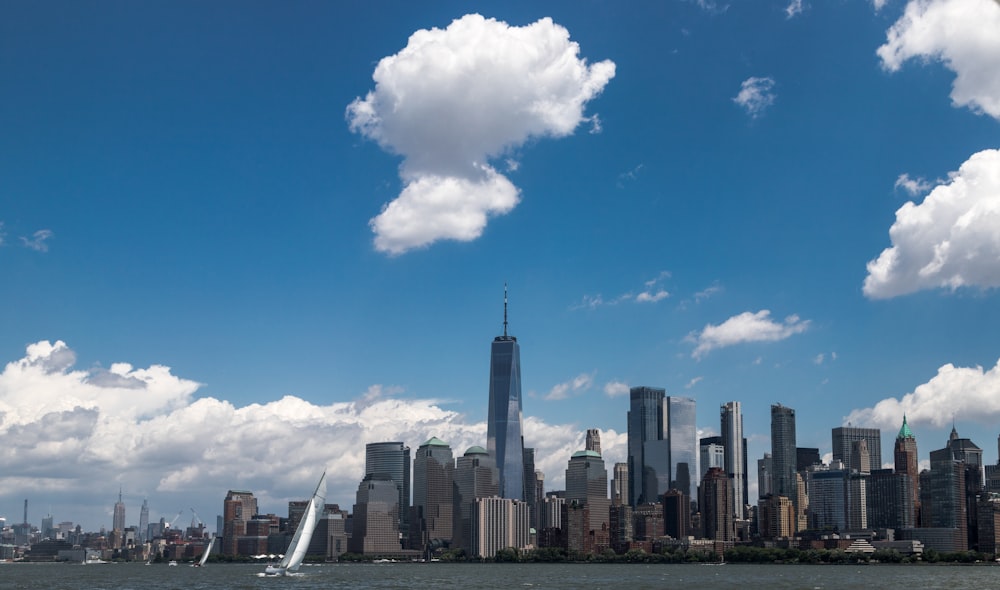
{"type": "Point", "coordinates": [648, 448]}
{"type": "Point", "coordinates": [392, 459]}
{"type": "Point", "coordinates": [503, 432]}
{"type": "Point", "coordinates": [731, 421]}
{"type": "Point", "coordinates": [683, 436]}
{"type": "Point", "coordinates": [783, 454]}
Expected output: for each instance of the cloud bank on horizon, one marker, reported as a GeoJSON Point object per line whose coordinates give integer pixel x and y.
{"type": "Point", "coordinates": [953, 394]}
{"type": "Point", "coordinates": [66, 430]}
{"type": "Point", "coordinates": [454, 99]}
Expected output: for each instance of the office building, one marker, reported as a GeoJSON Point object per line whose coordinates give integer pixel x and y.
{"type": "Point", "coordinates": [783, 453]}
{"type": "Point", "coordinates": [433, 498]}
{"type": "Point", "coordinates": [144, 522]}
{"type": "Point", "coordinates": [890, 505]}
{"type": "Point", "coordinates": [238, 509]}
{"type": "Point", "coordinates": [765, 476]}
{"type": "Point", "coordinates": [593, 440]}
{"type": "Point", "coordinates": [619, 484]}
{"type": "Point", "coordinates": [734, 443]}
{"type": "Point", "coordinates": [682, 432]}
{"type": "Point", "coordinates": [392, 460]}
{"type": "Point", "coordinates": [587, 484]}
{"type": "Point", "coordinates": [905, 458]}
{"type": "Point", "coordinates": [844, 437]}
{"type": "Point", "coordinates": [498, 523]}
{"type": "Point", "coordinates": [716, 502]}
{"type": "Point", "coordinates": [806, 457]}
{"type": "Point", "coordinates": [376, 517]}
{"type": "Point", "coordinates": [504, 432]}
{"type": "Point", "coordinates": [712, 454]}
{"type": "Point", "coordinates": [475, 477]}
{"type": "Point", "coordinates": [648, 448]}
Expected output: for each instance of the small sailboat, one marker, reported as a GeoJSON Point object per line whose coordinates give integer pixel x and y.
{"type": "Point", "coordinates": [204, 555]}
{"type": "Point", "coordinates": [303, 534]}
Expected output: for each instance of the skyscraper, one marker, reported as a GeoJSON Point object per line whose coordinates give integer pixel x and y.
{"type": "Point", "coordinates": [376, 516]}
{"type": "Point", "coordinates": [716, 504]}
{"type": "Point", "coordinates": [783, 453]}
{"type": "Point", "coordinates": [392, 459]}
{"type": "Point", "coordinates": [731, 422]}
{"type": "Point", "coordinates": [905, 456]}
{"type": "Point", "coordinates": [433, 480]}
{"type": "Point", "coordinates": [682, 433]}
{"type": "Point", "coordinates": [475, 477]}
{"type": "Point", "coordinates": [712, 453]}
{"type": "Point", "coordinates": [593, 440]}
{"type": "Point", "coordinates": [844, 438]}
{"type": "Point", "coordinates": [587, 484]}
{"type": "Point", "coordinates": [504, 440]}
{"type": "Point", "coordinates": [144, 522]}
{"type": "Point", "coordinates": [119, 516]}
{"type": "Point", "coordinates": [648, 449]}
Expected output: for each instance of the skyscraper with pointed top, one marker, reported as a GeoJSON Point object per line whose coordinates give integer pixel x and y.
{"type": "Point", "coordinates": [905, 458]}
{"type": "Point", "coordinates": [504, 434]}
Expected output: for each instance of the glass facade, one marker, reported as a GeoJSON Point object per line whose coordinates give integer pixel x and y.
{"type": "Point", "coordinates": [392, 459]}
{"type": "Point", "coordinates": [504, 440]}
{"type": "Point", "coordinates": [683, 436]}
{"type": "Point", "coordinates": [648, 452]}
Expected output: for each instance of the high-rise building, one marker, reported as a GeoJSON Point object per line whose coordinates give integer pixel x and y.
{"type": "Point", "coordinates": [682, 432]}
{"type": "Point", "coordinates": [475, 477]}
{"type": "Point", "coordinates": [392, 459]}
{"type": "Point", "coordinates": [504, 432]}
{"type": "Point", "coordinates": [806, 457]}
{"type": "Point", "coordinates": [716, 502]}
{"type": "Point", "coordinates": [889, 503]}
{"type": "Point", "coordinates": [499, 523]}
{"type": "Point", "coordinates": [593, 440]}
{"type": "Point", "coordinates": [376, 517]}
{"type": "Point", "coordinates": [783, 453]}
{"type": "Point", "coordinates": [844, 438]}
{"type": "Point", "coordinates": [942, 496]}
{"type": "Point", "coordinates": [144, 522]}
{"type": "Point", "coordinates": [587, 484]}
{"type": "Point", "coordinates": [239, 508]}
{"type": "Point", "coordinates": [861, 460]}
{"type": "Point", "coordinates": [433, 497]}
{"type": "Point", "coordinates": [775, 517]}
{"type": "Point", "coordinates": [765, 476]}
{"type": "Point", "coordinates": [648, 449]}
{"type": "Point", "coordinates": [712, 453]}
{"type": "Point", "coordinates": [731, 422]}
{"type": "Point", "coordinates": [827, 497]}
{"type": "Point", "coordinates": [971, 457]}
{"type": "Point", "coordinates": [676, 513]}
{"type": "Point", "coordinates": [119, 515]}
{"type": "Point", "coordinates": [619, 484]}
{"type": "Point", "coordinates": [905, 457]}
{"type": "Point", "coordinates": [532, 493]}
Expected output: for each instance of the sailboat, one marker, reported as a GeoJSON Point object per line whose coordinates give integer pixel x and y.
{"type": "Point", "coordinates": [300, 540]}
{"type": "Point", "coordinates": [204, 555]}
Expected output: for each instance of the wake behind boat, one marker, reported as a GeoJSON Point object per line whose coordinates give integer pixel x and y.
{"type": "Point", "coordinates": [303, 534]}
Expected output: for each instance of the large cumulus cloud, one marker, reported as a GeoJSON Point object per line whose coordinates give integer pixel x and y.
{"type": "Point", "coordinates": [72, 437]}
{"type": "Point", "coordinates": [960, 33]}
{"type": "Point", "coordinates": [455, 98]}
{"type": "Point", "coordinates": [954, 393]}
{"type": "Point", "coordinates": [950, 240]}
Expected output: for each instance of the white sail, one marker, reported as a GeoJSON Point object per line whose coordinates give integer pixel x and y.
{"type": "Point", "coordinates": [303, 534]}
{"type": "Point", "coordinates": [204, 556]}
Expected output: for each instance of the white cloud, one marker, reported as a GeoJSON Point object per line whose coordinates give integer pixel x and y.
{"type": "Point", "coordinates": [693, 382]}
{"type": "Point", "coordinates": [756, 94]}
{"type": "Point", "coordinates": [962, 34]}
{"type": "Point", "coordinates": [913, 186]}
{"type": "Point", "coordinates": [745, 327]}
{"type": "Point", "coordinates": [455, 98]}
{"type": "Point", "coordinates": [949, 240]}
{"type": "Point", "coordinates": [879, 4]}
{"type": "Point", "coordinates": [651, 292]}
{"type": "Point", "coordinates": [794, 8]}
{"type": "Point", "coordinates": [37, 241]}
{"type": "Point", "coordinates": [576, 385]}
{"type": "Point", "coordinates": [616, 388]}
{"type": "Point", "coordinates": [819, 359]}
{"type": "Point", "coordinates": [73, 436]}
{"type": "Point", "coordinates": [955, 393]}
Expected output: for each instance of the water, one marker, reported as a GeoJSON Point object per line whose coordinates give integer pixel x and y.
{"type": "Point", "coordinates": [495, 576]}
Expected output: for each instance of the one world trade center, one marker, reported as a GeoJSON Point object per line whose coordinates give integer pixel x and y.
{"type": "Point", "coordinates": [503, 433]}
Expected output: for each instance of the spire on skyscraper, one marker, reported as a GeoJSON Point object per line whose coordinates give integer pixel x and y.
{"type": "Point", "coordinates": [905, 431]}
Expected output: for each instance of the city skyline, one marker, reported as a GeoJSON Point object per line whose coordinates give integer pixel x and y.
{"type": "Point", "coordinates": [213, 282]}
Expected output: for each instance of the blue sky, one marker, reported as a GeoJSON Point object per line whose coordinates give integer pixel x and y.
{"type": "Point", "coordinates": [689, 195]}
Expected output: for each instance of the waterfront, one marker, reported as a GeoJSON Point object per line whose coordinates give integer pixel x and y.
{"type": "Point", "coordinates": [132, 576]}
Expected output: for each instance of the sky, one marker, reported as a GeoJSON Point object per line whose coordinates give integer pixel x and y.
{"type": "Point", "coordinates": [239, 240]}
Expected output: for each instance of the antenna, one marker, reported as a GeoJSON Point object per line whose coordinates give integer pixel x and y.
{"type": "Point", "coordinates": [505, 310]}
